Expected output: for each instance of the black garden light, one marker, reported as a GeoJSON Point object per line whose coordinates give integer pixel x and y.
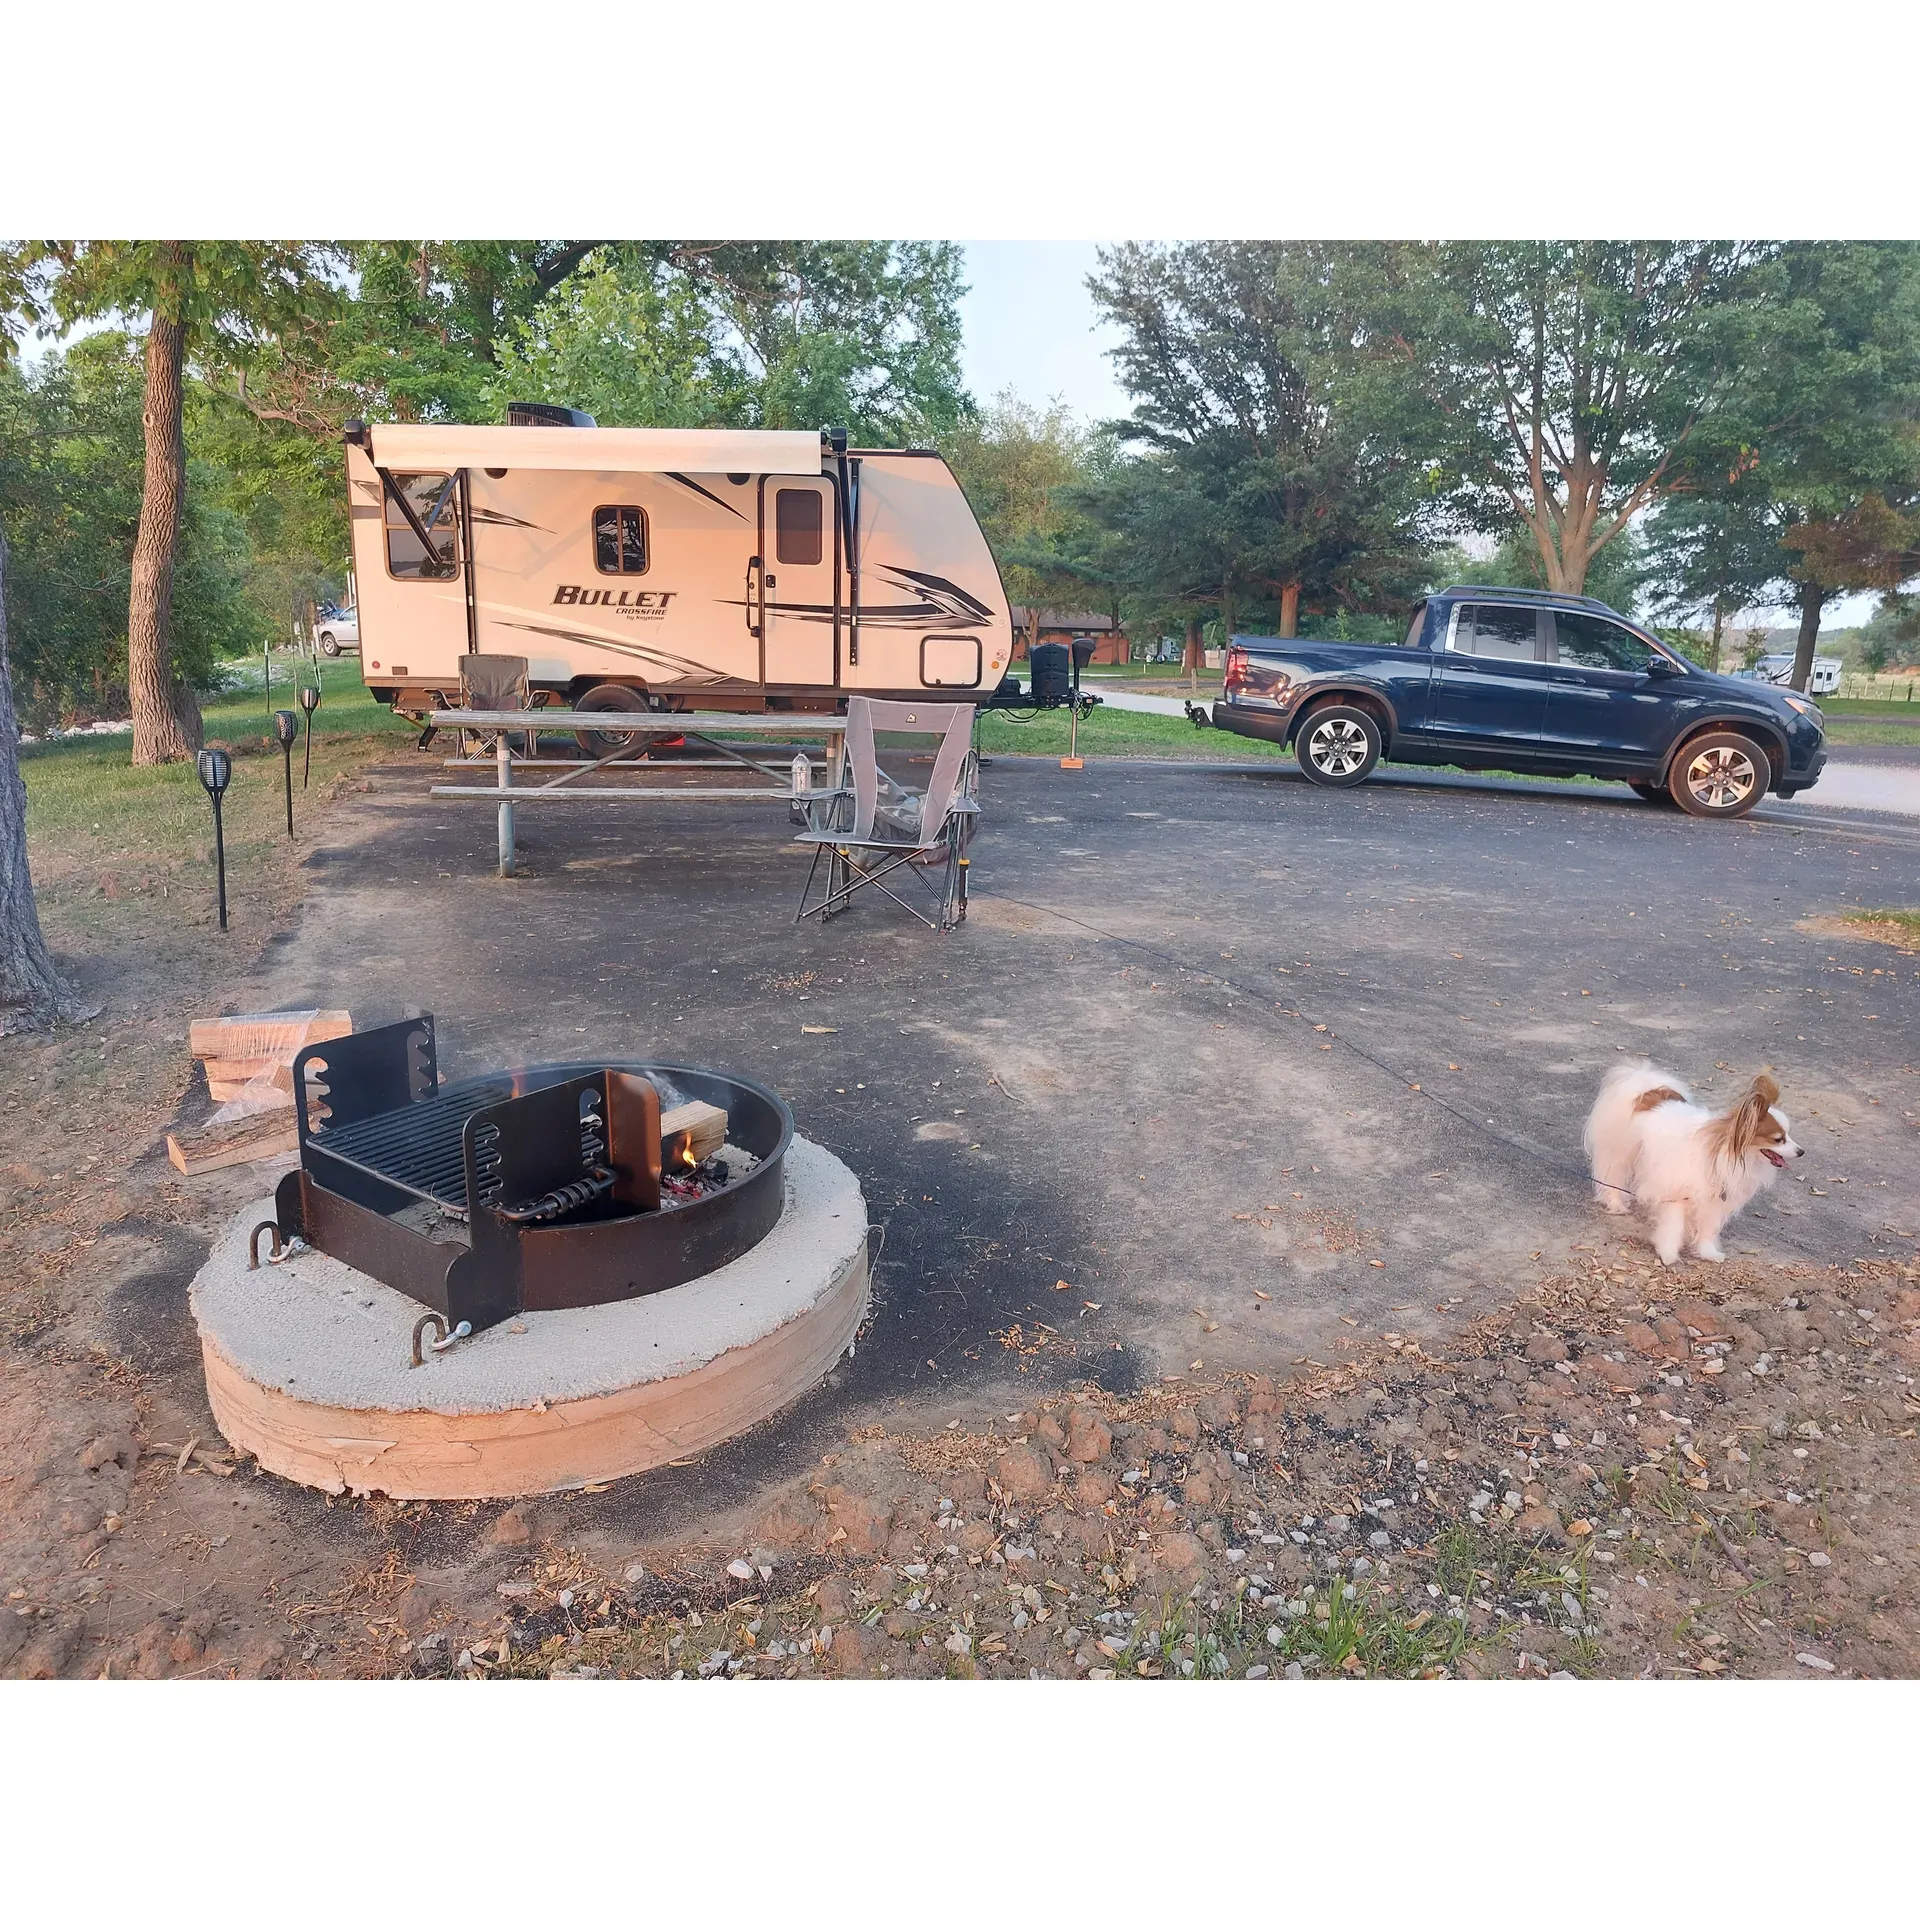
{"type": "Point", "coordinates": [286, 729]}
{"type": "Point", "coordinates": [309, 699]}
{"type": "Point", "coordinates": [216, 775]}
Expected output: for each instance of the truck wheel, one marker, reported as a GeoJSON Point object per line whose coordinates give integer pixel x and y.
{"type": "Point", "coordinates": [1652, 792]}
{"type": "Point", "coordinates": [1337, 746]}
{"type": "Point", "coordinates": [608, 698]}
{"type": "Point", "coordinates": [1719, 776]}
{"type": "Point", "coordinates": [329, 646]}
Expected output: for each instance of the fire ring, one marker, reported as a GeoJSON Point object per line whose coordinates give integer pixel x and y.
{"type": "Point", "coordinates": [308, 1363]}
{"type": "Point", "coordinates": [550, 1187]}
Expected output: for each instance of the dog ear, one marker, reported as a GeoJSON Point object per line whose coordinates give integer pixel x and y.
{"type": "Point", "coordinates": [1766, 1091]}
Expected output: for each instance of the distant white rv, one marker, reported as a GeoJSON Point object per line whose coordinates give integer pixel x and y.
{"type": "Point", "coordinates": [1778, 668]}
{"type": "Point", "coordinates": [647, 568]}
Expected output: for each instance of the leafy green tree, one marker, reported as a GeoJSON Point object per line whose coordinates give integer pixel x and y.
{"type": "Point", "coordinates": [71, 456]}
{"type": "Point", "coordinates": [1892, 636]}
{"type": "Point", "coordinates": [211, 298]}
{"type": "Point", "coordinates": [1560, 383]}
{"type": "Point", "coordinates": [631, 342]}
{"type": "Point", "coordinates": [1024, 469]}
{"type": "Point", "coordinates": [1837, 388]}
{"type": "Point", "coordinates": [1715, 553]}
{"type": "Point", "coordinates": [1258, 477]}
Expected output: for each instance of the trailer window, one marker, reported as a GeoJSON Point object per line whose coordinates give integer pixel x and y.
{"type": "Point", "coordinates": [797, 526]}
{"type": "Point", "coordinates": [434, 505]}
{"type": "Point", "coordinates": [620, 539]}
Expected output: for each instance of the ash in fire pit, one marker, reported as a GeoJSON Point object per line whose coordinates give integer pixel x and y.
{"type": "Point", "coordinates": [556, 1186]}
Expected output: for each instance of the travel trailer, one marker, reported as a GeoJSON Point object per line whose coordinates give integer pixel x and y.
{"type": "Point", "coordinates": [655, 569]}
{"type": "Point", "coordinates": [1777, 670]}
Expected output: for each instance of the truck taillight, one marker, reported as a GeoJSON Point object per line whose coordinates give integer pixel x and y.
{"type": "Point", "coordinates": [1236, 669]}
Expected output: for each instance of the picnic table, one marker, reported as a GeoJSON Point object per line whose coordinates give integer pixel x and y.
{"type": "Point", "coordinates": [775, 782]}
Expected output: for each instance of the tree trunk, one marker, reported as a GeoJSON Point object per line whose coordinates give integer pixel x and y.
{"type": "Point", "coordinates": [32, 993]}
{"type": "Point", "coordinates": [1190, 656]}
{"type": "Point", "coordinates": [1719, 627]}
{"type": "Point", "coordinates": [166, 718]}
{"type": "Point", "coordinates": [1812, 599]}
{"type": "Point", "coordinates": [1290, 610]}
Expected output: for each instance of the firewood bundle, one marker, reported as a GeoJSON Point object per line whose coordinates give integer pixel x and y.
{"type": "Point", "coordinates": [248, 1059]}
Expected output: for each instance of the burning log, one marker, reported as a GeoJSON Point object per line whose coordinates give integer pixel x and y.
{"type": "Point", "coordinates": [691, 1134]}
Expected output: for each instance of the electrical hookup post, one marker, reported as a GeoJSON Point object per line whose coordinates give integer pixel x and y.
{"type": "Point", "coordinates": [1080, 650]}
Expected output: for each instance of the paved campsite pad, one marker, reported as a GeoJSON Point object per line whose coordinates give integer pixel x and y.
{"type": "Point", "coordinates": [1137, 1120]}
{"type": "Point", "coordinates": [1172, 1058]}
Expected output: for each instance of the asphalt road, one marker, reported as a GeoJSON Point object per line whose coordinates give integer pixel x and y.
{"type": "Point", "coordinates": [1221, 1066]}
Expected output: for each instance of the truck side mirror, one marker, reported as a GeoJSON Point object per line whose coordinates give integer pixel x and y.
{"type": "Point", "coordinates": [1659, 667]}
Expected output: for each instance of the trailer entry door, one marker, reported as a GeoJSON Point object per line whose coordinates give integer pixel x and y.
{"type": "Point", "coordinates": [799, 553]}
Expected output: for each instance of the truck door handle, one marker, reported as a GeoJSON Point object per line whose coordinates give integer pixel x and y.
{"type": "Point", "coordinates": [756, 599]}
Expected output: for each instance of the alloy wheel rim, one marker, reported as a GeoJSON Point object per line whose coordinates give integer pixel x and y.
{"type": "Point", "coordinates": [1339, 747]}
{"type": "Point", "coordinates": [1720, 778]}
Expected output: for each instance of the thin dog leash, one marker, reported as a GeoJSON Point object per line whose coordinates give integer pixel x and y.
{"type": "Point", "coordinates": [1209, 975]}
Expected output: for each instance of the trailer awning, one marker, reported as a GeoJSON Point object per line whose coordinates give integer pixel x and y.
{"type": "Point", "coordinates": [416, 449]}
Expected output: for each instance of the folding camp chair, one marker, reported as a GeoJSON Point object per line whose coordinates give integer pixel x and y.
{"type": "Point", "coordinates": [492, 683]}
{"type": "Point", "coordinates": [874, 829]}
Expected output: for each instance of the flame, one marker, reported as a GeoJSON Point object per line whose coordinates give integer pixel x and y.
{"type": "Point", "coordinates": [684, 1156]}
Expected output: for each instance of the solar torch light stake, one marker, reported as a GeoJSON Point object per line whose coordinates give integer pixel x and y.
{"type": "Point", "coordinates": [309, 699]}
{"type": "Point", "coordinates": [216, 775]}
{"type": "Point", "coordinates": [286, 729]}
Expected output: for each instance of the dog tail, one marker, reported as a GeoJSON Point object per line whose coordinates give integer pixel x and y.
{"type": "Point", "coordinates": [1630, 1087]}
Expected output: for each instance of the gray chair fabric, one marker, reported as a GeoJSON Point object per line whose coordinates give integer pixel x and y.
{"type": "Point", "coordinates": [493, 683]}
{"type": "Point", "coordinates": [874, 827]}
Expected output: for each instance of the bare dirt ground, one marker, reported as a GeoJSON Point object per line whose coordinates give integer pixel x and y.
{"type": "Point", "coordinates": [1617, 1471]}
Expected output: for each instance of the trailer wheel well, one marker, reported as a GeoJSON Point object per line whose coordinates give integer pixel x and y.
{"type": "Point", "coordinates": [586, 682]}
{"type": "Point", "coordinates": [1350, 697]}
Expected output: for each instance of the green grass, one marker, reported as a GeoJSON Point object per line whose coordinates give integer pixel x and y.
{"type": "Point", "coordinates": [1857, 735]}
{"type": "Point", "coordinates": [1901, 920]}
{"type": "Point", "coordinates": [1868, 709]}
{"type": "Point", "coordinates": [1109, 733]}
{"type": "Point", "coordinates": [120, 852]}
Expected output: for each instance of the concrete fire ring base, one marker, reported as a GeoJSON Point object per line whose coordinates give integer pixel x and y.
{"type": "Point", "coordinates": [307, 1362]}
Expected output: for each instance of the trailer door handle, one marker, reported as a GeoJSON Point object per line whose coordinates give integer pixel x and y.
{"type": "Point", "coordinates": [756, 599]}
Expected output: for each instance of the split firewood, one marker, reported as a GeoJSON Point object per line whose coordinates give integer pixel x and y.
{"type": "Point", "coordinates": [257, 1036]}
{"type": "Point", "coordinates": [232, 1143]}
{"type": "Point", "coordinates": [692, 1133]}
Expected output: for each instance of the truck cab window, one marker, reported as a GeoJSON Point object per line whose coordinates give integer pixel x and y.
{"type": "Point", "coordinates": [1500, 633]}
{"type": "Point", "coordinates": [1585, 640]}
{"type": "Point", "coordinates": [1418, 627]}
{"type": "Point", "coordinates": [798, 524]}
{"type": "Point", "coordinates": [620, 539]}
{"type": "Point", "coordinates": [406, 560]}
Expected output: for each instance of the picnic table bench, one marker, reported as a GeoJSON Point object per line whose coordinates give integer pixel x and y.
{"type": "Point", "coordinates": [776, 782]}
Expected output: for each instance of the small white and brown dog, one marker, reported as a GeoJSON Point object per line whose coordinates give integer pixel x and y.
{"type": "Point", "coordinates": [1651, 1145]}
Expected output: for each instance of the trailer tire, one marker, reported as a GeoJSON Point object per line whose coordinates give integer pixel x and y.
{"type": "Point", "coordinates": [609, 697]}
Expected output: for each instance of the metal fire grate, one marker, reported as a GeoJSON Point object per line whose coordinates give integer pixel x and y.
{"type": "Point", "coordinates": [519, 1192]}
{"type": "Point", "coordinates": [418, 1148]}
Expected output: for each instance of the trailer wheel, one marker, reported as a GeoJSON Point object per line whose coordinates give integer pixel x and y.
{"type": "Point", "coordinates": [610, 697]}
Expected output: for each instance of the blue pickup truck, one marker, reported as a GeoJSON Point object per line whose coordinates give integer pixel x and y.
{"type": "Point", "coordinates": [1530, 683]}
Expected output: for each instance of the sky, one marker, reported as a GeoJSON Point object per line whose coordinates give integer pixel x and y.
{"type": "Point", "coordinates": [1030, 325]}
